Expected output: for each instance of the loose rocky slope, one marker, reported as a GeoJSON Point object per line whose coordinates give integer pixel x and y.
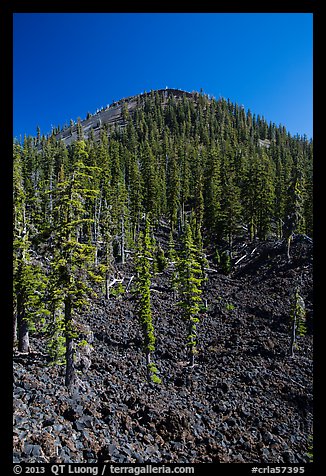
{"type": "Point", "coordinates": [112, 115]}
{"type": "Point", "coordinates": [246, 400]}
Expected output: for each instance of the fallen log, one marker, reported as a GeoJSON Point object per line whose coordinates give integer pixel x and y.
{"type": "Point", "coordinates": [116, 280]}
{"type": "Point", "coordinates": [240, 259]}
{"type": "Point", "coordinates": [128, 285]}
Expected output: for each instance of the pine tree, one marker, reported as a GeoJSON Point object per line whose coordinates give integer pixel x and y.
{"type": "Point", "coordinates": [212, 193]}
{"type": "Point", "coordinates": [173, 189]}
{"type": "Point", "coordinates": [30, 286]}
{"type": "Point", "coordinates": [143, 296]}
{"type": "Point", "coordinates": [135, 197]}
{"type": "Point", "coordinates": [29, 280]}
{"type": "Point", "coordinates": [161, 260]}
{"type": "Point", "coordinates": [230, 208]}
{"type": "Point", "coordinates": [249, 194]}
{"type": "Point", "coordinates": [19, 221]}
{"type": "Point", "coordinates": [189, 282]}
{"type": "Point", "coordinates": [258, 194]}
{"type": "Point", "coordinates": [118, 200]}
{"type": "Point", "coordinates": [149, 171]}
{"type": "Point", "coordinates": [265, 196]}
{"type": "Point", "coordinates": [185, 174]}
{"type": "Point", "coordinates": [31, 164]}
{"type": "Point", "coordinates": [280, 202]}
{"type": "Point", "coordinates": [80, 207]}
{"type": "Point", "coordinates": [71, 257]}
{"type": "Point", "coordinates": [298, 318]}
{"type": "Point", "coordinates": [294, 221]}
{"type": "Point", "coordinates": [105, 228]}
{"type": "Point", "coordinates": [171, 253]}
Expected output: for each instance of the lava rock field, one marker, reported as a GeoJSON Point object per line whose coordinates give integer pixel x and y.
{"type": "Point", "coordinates": [246, 400]}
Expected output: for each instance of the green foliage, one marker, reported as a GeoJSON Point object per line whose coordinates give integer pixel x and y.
{"type": "Point", "coordinates": [161, 260]}
{"type": "Point", "coordinates": [29, 277]}
{"type": "Point", "coordinates": [217, 257]}
{"type": "Point", "coordinates": [142, 285]}
{"type": "Point", "coordinates": [258, 194]}
{"type": "Point", "coordinates": [56, 339]}
{"type": "Point", "coordinates": [71, 259]}
{"type": "Point", "coordinates": [83, 343]}
{"type": "Point", "coordinates": [310, 452]}
{"type": "Point", "coordinates": [96, 277]}
{"type": "Point", "coordinates": [118, 290]}
{"type": "Point", "coordinates": [189, 282]}
{"type": "Point", "coordinates": [299, 313]}
{"type": "Point", "coordinates": [229, 306]}
{"type": "Point", "coordinates": [155, 379]}
{"type": "Point", "coordinates": [226, 262]}
{"type": "Point", "coordinates": [171, 254]}
{"type": "Point", "coordinates": [179, 155]}
{"type": "Point", "coordinates": [173, 189]}
{"type": "Point", "coordinates": [153, 373]}
{"type": "Point", "coordinates": [30, 286]}
{"type": "Point", "coordinates": [142, 289]}
{"type": "Point", "coordinates": [298, 318]}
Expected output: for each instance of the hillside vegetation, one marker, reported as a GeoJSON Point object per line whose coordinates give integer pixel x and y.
{"type": "Point", "coordinates": [163, 286]}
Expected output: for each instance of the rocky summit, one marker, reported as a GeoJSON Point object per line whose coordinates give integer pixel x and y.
{"type": "Point", "coordinates": [245, 400]}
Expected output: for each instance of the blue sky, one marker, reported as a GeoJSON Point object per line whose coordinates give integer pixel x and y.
{"type": "Point", "coordinates": [66, 64]}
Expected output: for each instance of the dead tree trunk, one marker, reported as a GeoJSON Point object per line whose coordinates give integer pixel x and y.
{"type": "Point", "coordinates": [192, 331]}
{"type": "Point", "coordinates": [148, 363]}
{"type": "Point", "coordinates": [288, 245]}
{"type": "Point", "coordinates": [70, 377]}
{"type": "Point", "coordinates": [15, 328]}
{"type": "Point", "coordinates": [293, 334]}
{"type": "Point", "coordinates": [96, 226]}
{"type": "Point", "coordinates": [23, 333]}
{"type": "Point", "coordinates": [123, 258]}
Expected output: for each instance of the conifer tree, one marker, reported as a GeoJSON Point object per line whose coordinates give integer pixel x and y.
{"type": "Point", "coordinates": [249, 194]}
{"type": "Point", "coordinates": [173, 189]}
{"type": "Point", "coordinates": [19, 209]}
{"type": "Point", "coordinates": [309, 189]}
{"type": "Point", "coordinates": [258, 194]}
{"type": "Point", "coordinates": [29, 281]}
{"type": "Point", "coordinates": [71, 258]}
{"type": "Point", "coordinates": [161, 260]}
{"type": "Point", "coordinates": [212, 193]}
{"type": "Point", "coordinates": [149, 172]}
{"type": "Point", "coordinates": [143, 295]}
{"type": "Point", "coordinates": [135, 197]}
{"type": "Point", "coordinates": [298, 318]}
{"type": "Point", "coordinates": [105, 226]}
{"type": "Point", "coordinates": [189, 283]}
{"type": "Point", "coordinates": [280, 202]}
{"type": "Point", "coordinates": [171, 253]}
{"type": "Point", "coordinates": [265, 195]}
{"type": "Point", "coordinates": [31, 166]}
{"type": "Point", "coordinates": [30, 286]}
{"type": "Point", "coordinates": [294, 220]}
{"type": "Point", "coordinates": [230, 207]}
{"type": "Point", "coordinates": [176, 156]}
{"type": "Point", "coordinates": [225, 262]}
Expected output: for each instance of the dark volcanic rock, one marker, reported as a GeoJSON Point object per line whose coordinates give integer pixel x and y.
{"type": "Point", "coordinates": [245, 400]}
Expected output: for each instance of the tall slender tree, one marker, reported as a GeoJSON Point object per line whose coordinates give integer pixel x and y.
{"type": "Point", "coordinates": [144, 258]}
{"type": "Point", "coordinates": [189, 289]}
{"type": "Point", "coordinates": [298, 318]}
{"type": "Point", "coordinates": [29, 279]}
{"type": "Point", "coordinates": [72, 257]}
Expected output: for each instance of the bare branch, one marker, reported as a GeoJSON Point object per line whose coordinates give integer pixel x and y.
{"type": "Point", "coordinates": [240, 259]}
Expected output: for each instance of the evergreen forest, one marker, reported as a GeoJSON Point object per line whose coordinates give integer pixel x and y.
{"type": "Point", "coordinates": [152, 216]}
